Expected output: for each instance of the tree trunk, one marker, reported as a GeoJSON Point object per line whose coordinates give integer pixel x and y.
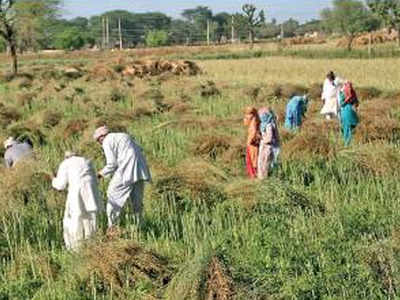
{"type": "Point", "coordinates": [350, 43]}
{"type": "Point", "coordinates": [398, 36]}
{"type": "Point", "coordinates": [251, 39]}
{"type": "Point", "coordinates": [13, 52]}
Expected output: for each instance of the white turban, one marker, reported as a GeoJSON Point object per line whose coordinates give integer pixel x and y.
{"type": "Point", "coordinates": [101, 131]}
{"type": "Point", "coordinates": [69, 154]}
{"type": "Point", "coordinates": [10, 142]}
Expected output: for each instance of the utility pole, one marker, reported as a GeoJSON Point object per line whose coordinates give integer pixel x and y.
{"type": "Point", "coordinates": [208, 32]}
{"type": "Point", "coordinates": [103, 43]}
{"type": "Point", "coordinates": [120, 34]}
{"type": "Point", "coordinates": [233, 30]}
{"type": "Point", "coordinates": [107, 32]}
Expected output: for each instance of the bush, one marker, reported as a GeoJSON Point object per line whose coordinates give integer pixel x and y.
{"type": "Point", "coordinates": [70, 39]}
{"type": "Point", "coordinates": [156, 38]}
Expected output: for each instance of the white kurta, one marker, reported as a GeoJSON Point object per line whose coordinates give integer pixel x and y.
{"type": "Point", "coordinates": [127, 164]}
{"type": "Point", "coordinates": [330, 97]}
{"type": "Point", "coordinates": [83, 200]}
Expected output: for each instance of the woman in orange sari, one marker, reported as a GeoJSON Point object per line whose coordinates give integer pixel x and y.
{"type": "Point", "coordinates": [252, 121]}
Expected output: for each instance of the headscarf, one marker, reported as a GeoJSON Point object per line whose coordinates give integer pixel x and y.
{"type": "Point", "coordinates": [101, 131]}
{"type": "Point", "coordinates": [267, 117]}
{"type": "Point", "coordinates": [349, 93]}
{"type": "Point", "coordinates": [69, 154]}
{"type": "Point", "coordinates": [10, 142]}
{"type": "Point", "coordinates": [250, 110]}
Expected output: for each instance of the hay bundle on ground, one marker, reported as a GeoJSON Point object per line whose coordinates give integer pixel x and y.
{"type": "Point", "coordinates": [299, 40]}
{"type": "Point", "coordinates": [8, 115]}
{"type": "Point", "coordinates": [142, 68]}
{"type": "Point", "coordinates": [377, 123]}
{"type": "Point", "coordinates": [376, 159]}
{"type": "Point", "coordinates": [23, 183]}
{"type": "Point", "coordinates": [380, 257]}
{"type": "Point", "coordinates": [27, 129]}
{"type": "Point", "coordinates": [23, 99]}
{"type": "Point", "coordinates": [209, 89]}
{"type": "Point", "coordinates": [72, 72]}
{"type": "Point", "coordinates": [219, 283]}
{"type": "Point", "coordinates": [367, 93]}
{"type": "Point", "coordinates": [204, 278]}
{"type": "Point", "coordinates": [196, 180]}
{"type": "Point", "coordinates": [211, 145]}
{"type": "Point", "coordinates": [47, 118]}
{"type": "Point", "coordinates": [275, 194]}
{"type": "Point", "coordinates": [245, 190]}
{"type": "Point", "coordinates": [121, 264]}
{"type": "Point", "coordinates": [74, 128]}
{"type": "Point", "coordinates": [308, 143]}
{"type": "Point", "coordinates": [286, 91]}
{"type": "Point", "coordinates": [101, 73]}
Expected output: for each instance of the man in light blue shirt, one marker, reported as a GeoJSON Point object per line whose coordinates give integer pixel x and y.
{"type": "Point", "coordinates": [16, 151]}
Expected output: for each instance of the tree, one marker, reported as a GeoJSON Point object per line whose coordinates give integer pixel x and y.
{"type": "Point", "coordinates": [253, 20]}
{"type": "Point", "coordinates": [310, 26]}
{"type": "Point", "coordinates": [8, 30]}
{"type": "Point", "coordinates": [156, 38]}
{"type": "Point", "coordinates": [223, 24]}
{"type": "Point", "coordinates": [290, 26]}
{"type": "Point", "coordinates": [348, 17]}
{"type": "Point", "coordinates": [32, 20]}
{"type": "Point", "coordinates": [71, 39]}
{"type": "Point", "coordinates": [388, 11]}
{"type": "Point", "coordinates": [198, 18]}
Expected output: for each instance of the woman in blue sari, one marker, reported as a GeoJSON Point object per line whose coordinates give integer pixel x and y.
{"type": "Point", "coordinates": [295, 112]}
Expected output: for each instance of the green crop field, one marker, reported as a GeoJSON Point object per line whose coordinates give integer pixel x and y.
{"type": "Point", "coordinates": [325, 225]}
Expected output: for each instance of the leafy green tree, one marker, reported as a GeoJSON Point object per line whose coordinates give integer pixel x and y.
{"type": "Point", "coordinates": [32, 20]}
{"type": "Point", "coordinates": [156, 38]}
{"type": "Point", "coordinates": [14, 15]}
{"type": "Point", "coordinates": [71, 39]}
{"type": "Point", "coordinates": [388, 11]}
{"type": "Point", "coordinates": [290, 26]}
{"type": "Point", "coordinates": [252, 20]}
{"type": "Point", "coordinates": [198, 18]}
{"type": "Point", "coordinates": [222, 23]}
{"type": "Point", "coordinates": [310, 26]}
{"type": "Point", "coordinates": [348, 17]}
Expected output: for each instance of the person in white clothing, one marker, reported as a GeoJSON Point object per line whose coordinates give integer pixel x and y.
{"type": "Point", "coordinates": [83, 200]}
{"type": "Point", "coordinates": [128, 166]}
{"type": "Point", "coordinates": [330, 97]}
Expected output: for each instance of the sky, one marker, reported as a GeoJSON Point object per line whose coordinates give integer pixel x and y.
{"type": "Point", "coordinates": [281, 10]}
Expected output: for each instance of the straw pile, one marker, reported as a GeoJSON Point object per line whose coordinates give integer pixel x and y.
{"type": "Point", "coordinates": [300, 40]}
{"type": "Point", "coordinates": [119, 264]}
{"type": "Point", "coordinates": [143, 68]}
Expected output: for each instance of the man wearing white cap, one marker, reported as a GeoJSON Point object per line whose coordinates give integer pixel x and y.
{"type": "Point", "coordinates": [83, 200]}
{"type": "Point", "coordinates": [16, 151]}
{"type": "Point", "coordinates": [128, 166]}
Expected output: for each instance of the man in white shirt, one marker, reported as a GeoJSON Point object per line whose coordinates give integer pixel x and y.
{"type": "Point", "coordinates": [128, 166]}
{"type": "Point", "coordinates": [83, 200]}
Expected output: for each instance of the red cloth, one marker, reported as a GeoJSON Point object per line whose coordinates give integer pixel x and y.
{"type": "Point", "coordinates": [350, 93]}
{"type": "Point", "coordinates": [251, 170]}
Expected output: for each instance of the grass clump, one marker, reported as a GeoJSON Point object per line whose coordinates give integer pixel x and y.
{"type": "Point", "coordinates": [123, 265]}
{"type": "Point", "coordinates": [205, 278]}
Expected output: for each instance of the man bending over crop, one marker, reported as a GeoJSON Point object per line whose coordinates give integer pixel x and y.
{"type": "Point", "coordinates": [128, 166]}
{"type": "Point", "coordinates": [16, 151]}
{"type": "Point", "coordinates": [83, 200]}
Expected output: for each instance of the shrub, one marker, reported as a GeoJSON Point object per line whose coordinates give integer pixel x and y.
{"type": "Point", "coordinates": [156, 38]}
